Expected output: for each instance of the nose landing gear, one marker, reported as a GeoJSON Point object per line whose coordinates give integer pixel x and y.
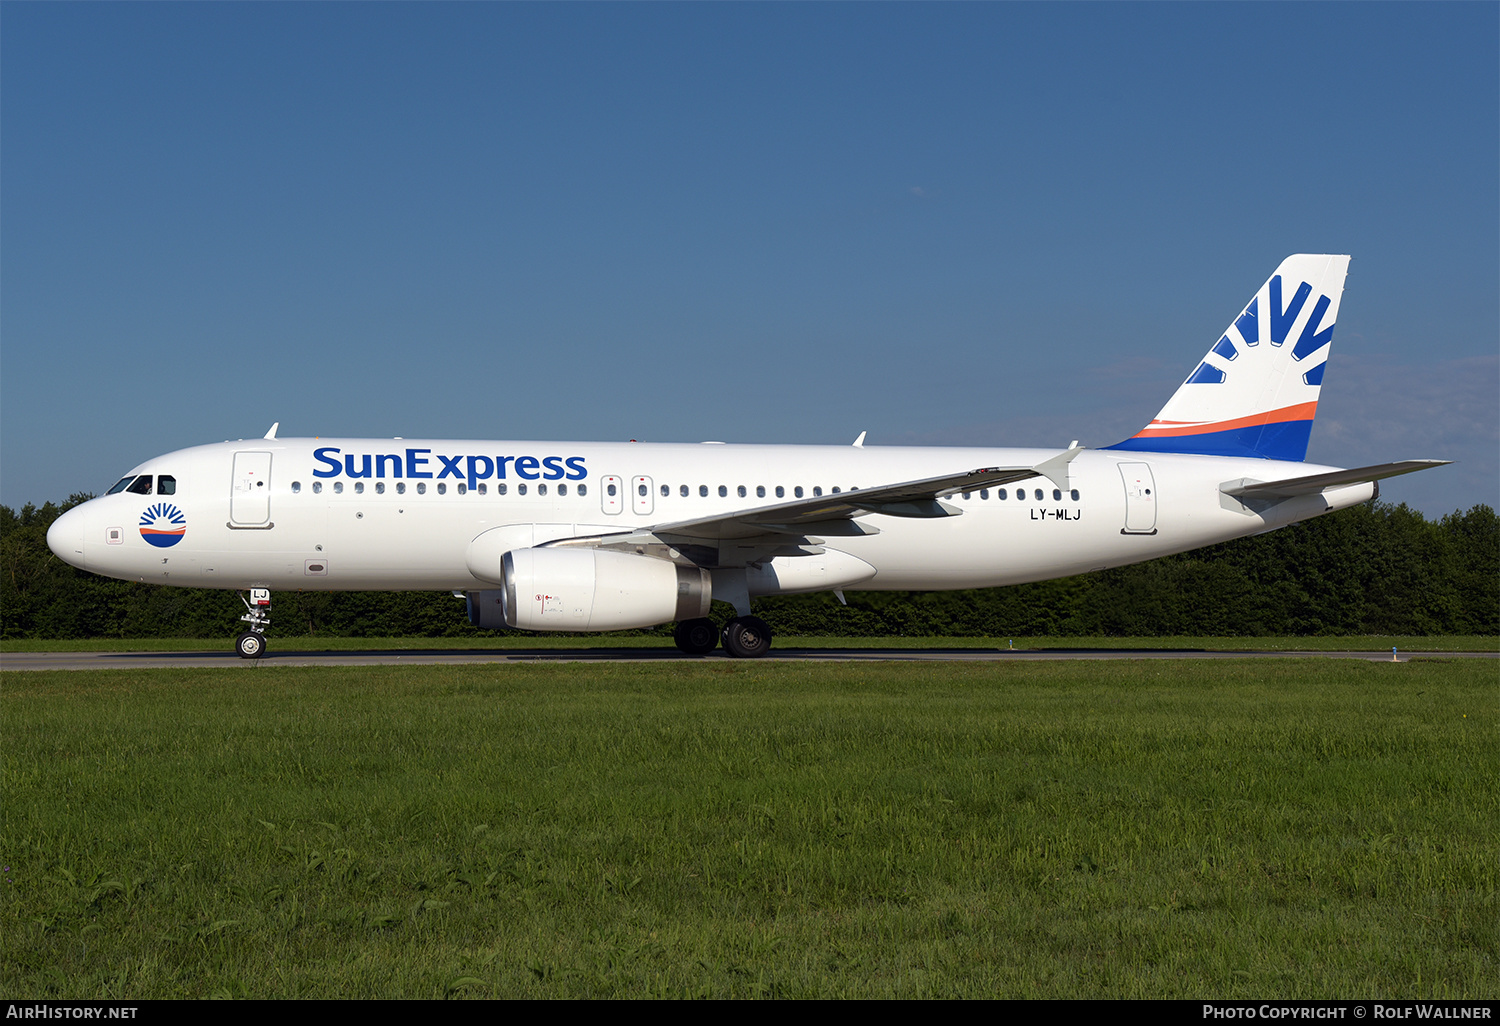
{"type": "Point", "coordinates": [251, 644]}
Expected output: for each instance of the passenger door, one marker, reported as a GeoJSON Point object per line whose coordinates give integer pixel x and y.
{"type": "Point", "coordinates": [250, 492]}
{"type": "Point", "coordinates": [1140, 498]}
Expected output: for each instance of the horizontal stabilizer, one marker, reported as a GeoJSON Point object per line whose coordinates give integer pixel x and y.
{"type": "Point", "coordinates": [1245, 488]}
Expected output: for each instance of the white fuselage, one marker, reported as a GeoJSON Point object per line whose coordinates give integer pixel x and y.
{"type": "Point", "coordinates": [287, 514]}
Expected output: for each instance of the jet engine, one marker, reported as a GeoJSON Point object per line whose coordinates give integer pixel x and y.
{"type": "Point", "coordinates": [575, 589]}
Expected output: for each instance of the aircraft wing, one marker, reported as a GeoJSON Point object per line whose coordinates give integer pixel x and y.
{"type": "Point", "coordinates": [1245, 488]}
{"type": "Point", "coordinates": [795, 528]}
{"type": "Point", "coordinates": [834, 514]}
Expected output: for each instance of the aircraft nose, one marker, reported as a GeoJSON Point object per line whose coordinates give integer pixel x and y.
{"type": "Point", "coordinates": [65, 537]}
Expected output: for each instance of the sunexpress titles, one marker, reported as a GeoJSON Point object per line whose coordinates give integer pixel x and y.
{"type": "Point", "coordinates": [424, 464]}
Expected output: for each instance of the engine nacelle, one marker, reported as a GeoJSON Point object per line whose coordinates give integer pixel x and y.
{"type": "Point", "coordinates": [576, 589]}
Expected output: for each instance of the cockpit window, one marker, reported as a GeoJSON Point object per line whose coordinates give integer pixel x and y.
{"type": "Point", "coordinates": [120, 485]}
{"type": "Point", "coordinates": [142, 485]}
{"type": "Point", "coordinates": [166, 484]}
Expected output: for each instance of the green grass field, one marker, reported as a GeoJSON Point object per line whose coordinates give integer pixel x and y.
{"type": "Point", "coordinates": [304, 643]}
{"type": "Point", "coordinates": [1279, 828]}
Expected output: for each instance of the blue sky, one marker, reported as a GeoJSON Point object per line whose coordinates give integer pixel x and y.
{"type": "Point", "coordinates": [1004, 224]}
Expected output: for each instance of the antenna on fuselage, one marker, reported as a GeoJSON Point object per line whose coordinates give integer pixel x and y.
{"type": "Point", "coordinates": [272, 433]}
{"type": "Point", "coordinates": [859, 443]}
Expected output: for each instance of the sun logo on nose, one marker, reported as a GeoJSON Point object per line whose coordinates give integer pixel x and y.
{"type": "Point", "coordinates": [163, 525]}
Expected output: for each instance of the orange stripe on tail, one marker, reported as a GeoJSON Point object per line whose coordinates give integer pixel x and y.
{"type": "Point", "coordinates": [1159, 428]}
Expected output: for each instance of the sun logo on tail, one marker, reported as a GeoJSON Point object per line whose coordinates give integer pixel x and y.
{"type": "Point", "coordinates": [163, 525]}
{"type": "Point", "coordinates": [1247, 328]}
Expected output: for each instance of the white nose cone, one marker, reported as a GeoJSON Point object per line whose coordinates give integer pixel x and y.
{"type": "Point", "coordinates": [65, 537]}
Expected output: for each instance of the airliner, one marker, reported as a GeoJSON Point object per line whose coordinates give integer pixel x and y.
{"type": "Point", "coordinates": [570, 536]}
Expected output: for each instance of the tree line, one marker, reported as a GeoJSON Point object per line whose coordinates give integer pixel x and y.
{"type": "Point", "coordinates": [1372, 569]}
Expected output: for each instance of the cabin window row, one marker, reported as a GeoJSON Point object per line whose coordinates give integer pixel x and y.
{"type": "Point", "coordinates": [741, 491]}
{"type": "Point", "coordinates": [1037, 493]}
{"type": "Point", "coordinates": [442, 488]}
{"type": "Point", "coordinates": [817, 490]}
{"type": "Point", "coordinates": [168, 486]}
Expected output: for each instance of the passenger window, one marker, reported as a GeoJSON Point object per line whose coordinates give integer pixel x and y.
{"type": "Point", "coordinates": [817, 489]}
{"type": "Point", "coordinates": [120, 485]}
{"type": "Point", "coordinates": [1038, 495]}
{"type": "Point", "coordinates": [166, 484]}
{"type": "Point", "coordinates": [797, 491]}
{"type": "Point", "coordinates": [521, 489]}
{"type": "Point", "coordinates": [666, 490]}
{"type": "Point", "coordinates": [541, 489]}
{"type": "Point", "coordinates": [742, 491]}
{"type": "Point", "coordinates": [723, 492]}
{"type": "Point", "coordinates": [1057, 495]}
{"type": "Point", "coordinates": [1075, 494]}
{"type": "Point", "coordinates": [984, 493]}
{"type": "Point", "coordinates": [1020, 495]}
{"type": "Point", "coordinates": [760, 491]}
{"type": "Point", "coordinates": [296, 487]}
{"type": "Point", "coordinates": [780, 492]}
{"type": "Point", "coordinates": [484, 489]}
{"type": "Point", "coordinates": [359, 488]}
{"type": "Point", "coordinates": [500, 488]}
{"type": "Point", "coordinates": [703, 491]}
{"type": "Point", "coordinates": [338, 487]}
{"type": "Point", "coordinates": [835, 490]}
{"type": "Point", "coordinates": [142, 485]}
{"type": "Point", "coordinates": [562, 489]}
{"type": "Point", "coordinates": [400, 487]}
{"type": "Point", "coordinates": [640, 489]}
{"type": "Point", "coordinates": [317, 487]}
{"type": "Point", "coordinates": [966, 496]}
{"type": "Point", "coordinates": [421, 487]}
{"type": "Point", "coordinates": [442, 488]}
{"type": "Point", "coordinates": [1002, 494]}
{"type": "Point", "coordinates": [610, 489]}
{"type": "Point", "coordinates": [463, 489]}
{"type": "Point", "coordinates": [683, 491]}
{"type": "Point", "coordinates": [379, 487]}
{"type": "Point", "coordinates": [583, 489]}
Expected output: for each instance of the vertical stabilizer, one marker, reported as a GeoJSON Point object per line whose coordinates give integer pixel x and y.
{"type": "Point", "coordinates": [1256, 391]}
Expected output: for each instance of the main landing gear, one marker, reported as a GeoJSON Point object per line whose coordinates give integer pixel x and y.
{"type": "Point", "coordinates": [251, 644]}
{"type": "Point", "coordinates": [696, 637]}
{"type": "Point", "coordinates": [745, 637]}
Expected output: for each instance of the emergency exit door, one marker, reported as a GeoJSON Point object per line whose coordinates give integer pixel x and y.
{"type": "Point", "coordinates": [641, 500]}
{"type": "Point", "coordinates": [610, 499]}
